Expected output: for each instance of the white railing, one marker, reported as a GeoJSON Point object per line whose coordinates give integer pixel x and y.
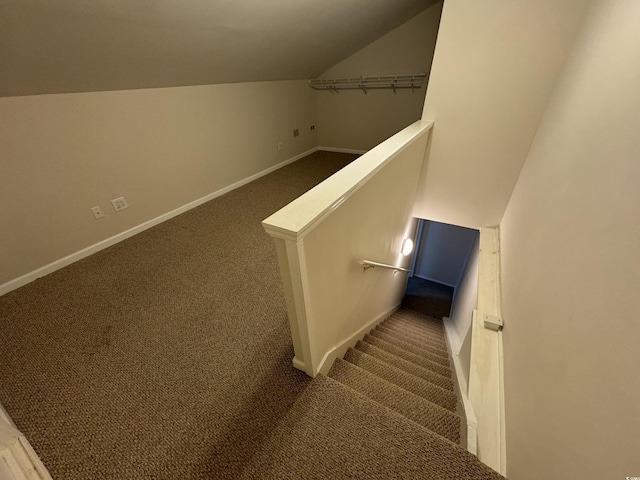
{"type": "Point", "coordinates": [362, 211]}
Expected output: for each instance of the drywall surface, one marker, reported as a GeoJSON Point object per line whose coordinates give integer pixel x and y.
{"type": "Point", "coordinates": [443, 251]}
{"type": "Point", "coordinates": [571, 268]}
{"type": "Point", "coordinates": [466, 298]}
{"type": "Point", "coordinates": [159, 148]}
{"type": "Point", "coordinates": [493, 70]}
{"type": "Point", "coordinates": [357, 121]}
{"type": "Point", "coordinates": [71, 46]}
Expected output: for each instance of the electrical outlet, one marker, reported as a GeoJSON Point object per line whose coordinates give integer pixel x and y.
{"type": "Point", "coordinates": [280, 146]}
{"type": "Point", "coordinates": [312, 128]}
{"type": "Point", "coordinates": [119, 204]}
{"type": "Point", "coordinates": [296, 133]}
{"type": "Point", "coordinates": [97, 212]}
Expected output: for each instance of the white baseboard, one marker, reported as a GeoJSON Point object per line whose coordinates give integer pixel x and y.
{"type": "Point", "coordinates": [85, 252]}
{"type": "Point", "coordinates": [341, 347]}
{"type": "Point", "coordinates": [342, 150]}
{"type": "Point", "coordinates": [472, 422]}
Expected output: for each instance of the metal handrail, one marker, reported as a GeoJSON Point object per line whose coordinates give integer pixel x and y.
{"type": "Point", "coordinates": [367, 264]}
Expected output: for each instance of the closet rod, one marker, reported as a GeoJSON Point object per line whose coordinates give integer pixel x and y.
{"type": "Point", "coordinates": [369, 82]}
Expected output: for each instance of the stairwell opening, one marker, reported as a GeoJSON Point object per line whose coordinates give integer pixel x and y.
{"type": "Point", "coordinates": [438, 266]}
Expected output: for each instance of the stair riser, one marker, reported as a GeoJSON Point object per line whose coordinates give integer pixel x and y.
{"type": "Point", "coordinates": [406, 355]}
{"type": "Point", "coordinates": [407, 366]}
{"type": "Point", "coordinates": [430, 328]}
{"type": "Point", "coordinates": [415, 408]}
{"type": "Point", "coordinates": [412, 348]}
{"type": "Point", "coordinates": [420, 343]}
{"type": "Point", "coordinates": [409, 382]}
{"type": "Point", "coordinates": [436, 337]}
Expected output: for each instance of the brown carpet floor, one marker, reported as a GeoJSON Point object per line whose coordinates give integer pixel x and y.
{"type": "Point", "coordinates": [166, 356]}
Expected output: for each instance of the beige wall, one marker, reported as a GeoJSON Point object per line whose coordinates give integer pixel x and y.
{"type": "Point", "coordinates": [466, 299]}
{"type": "Point", "coordinates": [357, 121]}
{"type": "Point", "coordinates": [571, 268]}
{"type": "Point", "coordinates": [160, 148]}
{"type": "Point", "coordinates": [495, 65]}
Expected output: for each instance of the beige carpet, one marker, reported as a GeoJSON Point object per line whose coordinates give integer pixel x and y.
{"type": "Point", "coordinates": [167, 356]}
{"type": "Point", "coordinates": [375, 417]}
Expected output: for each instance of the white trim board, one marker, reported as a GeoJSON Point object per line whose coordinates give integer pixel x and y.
{"type": "Point", "coordinates": [85, 252]}
{"type": "Point", "coordinates": [472, 422]}
{"type": "Point", "coordinates": [486, 384]}
{"type": "Point", "coordinates": [342, 150]}
{"type": "Point", "coordinates": [18, 460]}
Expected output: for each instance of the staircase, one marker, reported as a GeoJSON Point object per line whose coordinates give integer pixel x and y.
{"type": "Point", "coordinates": [388, 410]}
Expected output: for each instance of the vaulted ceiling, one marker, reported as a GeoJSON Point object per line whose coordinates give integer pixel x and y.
{"type": "Point", "coordinates": [59, 46]}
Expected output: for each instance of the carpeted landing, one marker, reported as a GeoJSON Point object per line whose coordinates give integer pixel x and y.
{"type": "Point", "coordinates": [431, 298]}
{"type": "Point", "coordinates": [387, 411]}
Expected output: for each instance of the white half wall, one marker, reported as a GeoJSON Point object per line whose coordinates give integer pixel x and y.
{"type": "Point", "coordinates": [358, 121]}
{"type": "Point", "coordinates": [159, 148]}
{"type": "Point", "coordinates": [571, 267]}
{"type": "Point", "coordinates": [322, 236]}
{"type": "Point", "coordinates": [494, 67]}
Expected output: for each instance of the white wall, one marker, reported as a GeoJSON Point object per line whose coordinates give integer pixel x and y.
{"type": "Point", "coordinates": [357, 121]}
{"type": "Point", "coordinates": [571, 267]}
{"type": "Point", "coordinates": [160, 148]}
{"type": "Point", "coordinates": [466, 298]}
{"type": "Point", "coordinates": [443, 251]}
{"type": "Point", "coordinates": [495, 65]}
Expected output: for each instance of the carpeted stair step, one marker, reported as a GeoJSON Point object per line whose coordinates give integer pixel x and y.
{"type": "Point", "coordinates": [332, 431]}
{"type": "Point", "coordinates": [419, 319]}
{"type": "Point", "coordinates": [406, 355]}
{"type": "Point", "coordinates": [410, 313]}
{"type": "Point", "coordinates": [429, 415]}
{"type": "Point", "coordinates": [434, 335]}
{"type": "Point", "coordinates": [414, 341]}
{"type": "Point", "coordinates": [423, 388]}
{"type": "Point", "coordinates": [437, 339]}
{"type": "Point", "coordinates": [424, 353]}
{"type": "Point", "coordinates": [407, 366]}
{"type": "Point", "coordinates": [427, 325]}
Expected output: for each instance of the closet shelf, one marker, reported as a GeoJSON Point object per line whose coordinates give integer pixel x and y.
{"type": "Point", "coordinates": [370, 82]}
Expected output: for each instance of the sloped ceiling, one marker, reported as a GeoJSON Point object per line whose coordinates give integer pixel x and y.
{"type": "Point", "coordinates": [61, 46]}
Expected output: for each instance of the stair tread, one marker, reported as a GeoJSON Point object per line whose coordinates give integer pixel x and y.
{"type": "Point", "coordinates": [408, 312]}
{"type": "Point", "coordinates": [431, 334]}
{"type": "Point", "coordinates": [418, 342]}
{"type": "Point", "coordinates": [406, 365]}
{"type": "Point", "coordinates": [408, 381]}
{"type": "Point", "coordinates": [332, 431]}
{"type": "Point", "coordinates": [429, 415]}
{"type": "Point", "coordinates": [432, 326]}
{"type": "Point", "coordinates": [411, 348]}
{"type": "Point", "coordinates": [405, 354]}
